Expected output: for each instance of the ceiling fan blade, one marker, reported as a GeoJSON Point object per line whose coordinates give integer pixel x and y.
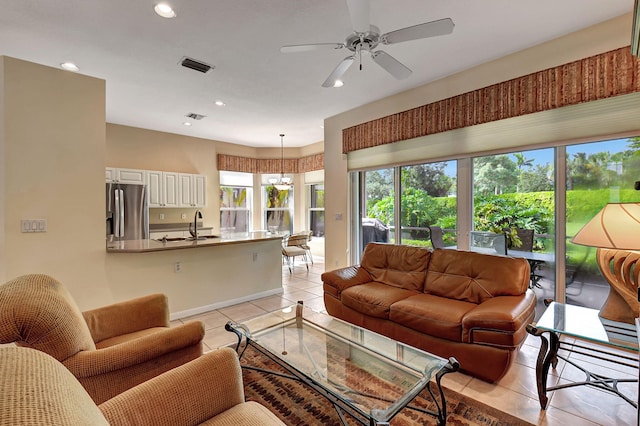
{"type": "Point", "coordinates": [428, 29]}
{"type": "Point", "coordinates": [391, 64]}
{"type": "Point", "coordinates": [295, 48]}
{"type": "Point", "coordinates": [338, 71]}
{"type": "Point", "coordinates": [359, 13]}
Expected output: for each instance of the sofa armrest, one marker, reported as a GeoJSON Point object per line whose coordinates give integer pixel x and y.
{"type": "Point", "coordinates": [129, 316]}
{"type": "Point", "coordinates": [507, 314]}
{"type": "Point", "coordinates": [135, 351]}
{"type": "Point", "coordinates": [335, 282]}
{"type": "Point", "coordinates": [186, 395]}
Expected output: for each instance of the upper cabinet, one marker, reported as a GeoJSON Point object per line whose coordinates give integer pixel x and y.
{"type": "Point", "coordinates": [164, 189]}
{"type": "Point", "coordinates": [125, 176]}
{"type": "Point", "coordinates": [192, 190]}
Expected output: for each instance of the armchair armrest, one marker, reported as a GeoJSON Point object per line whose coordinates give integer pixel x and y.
{"type": "Point", "coordinates": [189, 394]}
{"type": "Point", "coordinates": [335, 282]}
{"type": "Point", "coordinates": [129, 316]}
{"type": "Point", "coordinates": [135, 351]}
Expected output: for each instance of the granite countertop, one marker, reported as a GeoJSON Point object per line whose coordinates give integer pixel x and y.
{"type": "Point", "coordinates": [143, 246]}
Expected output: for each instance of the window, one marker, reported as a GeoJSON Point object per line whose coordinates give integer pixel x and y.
{"type": "Point", "coordinates": [234, 209]}
{"type": "Point", "coordinates": [428, 199]}
{"type": "Point", "coordinates": [316, 209]}
{"type": "Point", "coordinates": [377, 207]}
{"type": "Point", "coordinates": [235, 201]}
{"type": "Point", "coordinates": [277, 209]}
{"type": "Point", "coordinates": [597, 173]}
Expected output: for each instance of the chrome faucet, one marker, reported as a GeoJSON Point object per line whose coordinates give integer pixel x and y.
{"type": "Point", "coordinates": [194, 231]}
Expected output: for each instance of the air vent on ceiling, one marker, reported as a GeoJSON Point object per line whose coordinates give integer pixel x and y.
{"type": "Point", "coordinates": [195, 116]}
{"type": "Point", "coordinates": [195, 65]}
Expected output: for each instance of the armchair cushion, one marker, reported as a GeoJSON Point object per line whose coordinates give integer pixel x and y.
{"type": "Point", "coordinates": [38, 312]}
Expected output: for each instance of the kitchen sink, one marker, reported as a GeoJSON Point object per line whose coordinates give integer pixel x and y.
{"type": "Point", "coordinates": [174, 239]}
{"type": "Point", "coordinates": [171, 239]}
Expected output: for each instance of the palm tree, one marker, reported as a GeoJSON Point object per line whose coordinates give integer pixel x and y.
{"type": "Point", "coordinates": [521, 162]}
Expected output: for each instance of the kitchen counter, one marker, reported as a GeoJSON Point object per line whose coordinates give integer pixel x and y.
{"type": "Point", "coordinates": [144, 246]}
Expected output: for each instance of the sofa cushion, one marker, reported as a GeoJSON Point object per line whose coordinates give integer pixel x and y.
{"type": "Point", "coordinates": [433, 315]}
{"type": "Point", "coordinates": [475, 277]}
{"type": "Point", "coordinates": [374, 298]}
{"type": "Point", "coordinates": [395, 265]}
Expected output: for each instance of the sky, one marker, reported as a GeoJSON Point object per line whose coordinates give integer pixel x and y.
{"type": "Point", "coordinates": [544, 156]}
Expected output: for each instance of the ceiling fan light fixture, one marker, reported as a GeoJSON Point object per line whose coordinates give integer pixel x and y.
{"type": "Point", "coordinates": [164, 10]}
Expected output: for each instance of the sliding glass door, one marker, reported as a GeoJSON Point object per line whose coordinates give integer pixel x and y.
{"type": "Point", "coordinates": [597, 173]}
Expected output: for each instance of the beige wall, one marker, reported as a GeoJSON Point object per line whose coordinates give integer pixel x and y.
{"type": "Point", "coordinates": [55, 146]}
{"type": "Point", "coordinates": [54, 141]}
{"type": "Point", "coordinates": [600, 38]}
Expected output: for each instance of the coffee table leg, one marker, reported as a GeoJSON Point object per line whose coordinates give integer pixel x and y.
{"type": "Point", "coordinates": [452, 366]}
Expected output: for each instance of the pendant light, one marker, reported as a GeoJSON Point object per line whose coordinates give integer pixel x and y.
{"type": "Point", "coordinates": [284, 183]}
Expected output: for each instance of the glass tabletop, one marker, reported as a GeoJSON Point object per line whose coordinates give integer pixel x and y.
{"type": "Point", "coordinates": [371, 372]}
{"type": "Point", "coordinates": [585, 323]}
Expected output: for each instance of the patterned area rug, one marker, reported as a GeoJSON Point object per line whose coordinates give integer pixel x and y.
{"type": "Point", "coordinates": [296, 404]}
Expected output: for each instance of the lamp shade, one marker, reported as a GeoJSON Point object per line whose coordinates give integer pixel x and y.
{"type": "Point", "coordinates": [616, 226]}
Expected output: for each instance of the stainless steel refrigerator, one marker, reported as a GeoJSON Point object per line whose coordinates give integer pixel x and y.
{"type": "Point", "coordinates": [127, 212]}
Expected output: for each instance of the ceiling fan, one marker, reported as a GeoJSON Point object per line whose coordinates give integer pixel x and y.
{"type": "Point", "coordinates": [366, 37]}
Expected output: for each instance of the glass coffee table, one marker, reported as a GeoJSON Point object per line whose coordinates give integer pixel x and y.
{"type": "Point", "coordinates": [364, 374]}
{"type": "Point", "coordinates": [586, 325]}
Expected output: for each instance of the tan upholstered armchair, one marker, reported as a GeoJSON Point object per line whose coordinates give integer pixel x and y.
{"type": "Point", "coordinates": [38, 390]}
{"type": "Point", "coordinates": [109, 349]}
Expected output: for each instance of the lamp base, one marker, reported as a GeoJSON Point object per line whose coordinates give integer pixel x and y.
{"type": "Point", "coordinates": [620, 270]}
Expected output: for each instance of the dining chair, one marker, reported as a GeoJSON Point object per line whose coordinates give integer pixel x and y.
{"type": "Point", "coordinates": [292, 247]}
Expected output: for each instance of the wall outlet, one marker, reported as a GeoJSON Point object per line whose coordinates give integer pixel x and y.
{"type": "Point", "coordinates": [184, 215]}
{"type": "Point", "coordinates": [177, 267]}
{"type": "Point", "coordinates": [161, 216]}
{"type": "Point", "coordinates": [255, 256]}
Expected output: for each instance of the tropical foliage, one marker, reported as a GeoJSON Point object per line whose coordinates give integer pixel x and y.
{"type": "Point", "coordinates": [510, 191]}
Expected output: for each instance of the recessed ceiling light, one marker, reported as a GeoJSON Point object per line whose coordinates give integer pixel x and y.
{"type": "Point", "coordinates": [338, 83]}
{"type": "Point", "coordinates": [70, 66]}
{"type": "Point", "coordinates": [164, 10]}
{"type": "Point", "coordinates": [220, 103]}
{"type": "Point", "coordinates": [186, 123]}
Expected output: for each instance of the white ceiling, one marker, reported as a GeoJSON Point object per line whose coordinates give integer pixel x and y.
{"type": "Point", "coordinates": [267, 92]}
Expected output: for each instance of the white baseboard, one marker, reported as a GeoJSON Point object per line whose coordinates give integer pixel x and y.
{"type": "Point", "coordinates": [202, 309]}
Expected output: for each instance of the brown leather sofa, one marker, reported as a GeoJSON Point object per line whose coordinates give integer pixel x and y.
{"type": "Point", "coordinates": [471, 306]}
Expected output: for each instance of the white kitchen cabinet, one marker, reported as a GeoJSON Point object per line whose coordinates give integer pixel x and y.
{"type": "Point", "coordinates": [163, 188]}
{"type": "Point", "coordinates": [192, 190]}
{"type": "Point", "coordinates": [134, 176]}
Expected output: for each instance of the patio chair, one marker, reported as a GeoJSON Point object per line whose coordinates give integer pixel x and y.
{"type": "Point", "coordinates": [527, 238]}
{"type": "Point", "coordinates": [435, 234]}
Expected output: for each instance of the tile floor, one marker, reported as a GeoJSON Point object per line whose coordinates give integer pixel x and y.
{"type": "Point", "coordinates": [515, 393]}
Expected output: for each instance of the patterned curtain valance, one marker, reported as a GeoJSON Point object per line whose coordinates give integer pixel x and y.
{"type": "Point", "coordinates": [234, 163]}
{"type": "Point", "coordinates": [601, 76]}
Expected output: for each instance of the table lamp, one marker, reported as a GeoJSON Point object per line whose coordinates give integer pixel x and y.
{"type": "Point", "coordinates": [615, 232]}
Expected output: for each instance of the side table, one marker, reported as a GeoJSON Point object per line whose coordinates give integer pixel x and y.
{"type": "Point", "coordinates": [584, 324]}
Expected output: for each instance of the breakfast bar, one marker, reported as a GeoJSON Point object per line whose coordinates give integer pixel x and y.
{"type": "Point", "coordinates": [198, 276]}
